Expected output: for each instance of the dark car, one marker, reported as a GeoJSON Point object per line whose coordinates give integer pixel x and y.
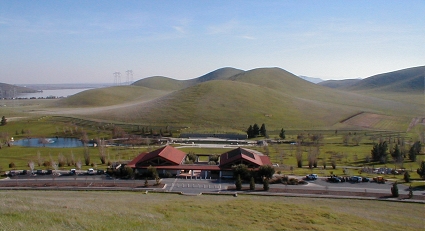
{"type": "Point", "coordinates": [334, 179]}
{"type": "Point", "coordinates": [100, 172]}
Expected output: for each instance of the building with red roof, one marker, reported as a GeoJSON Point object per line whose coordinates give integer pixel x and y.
{"type": "Point", "coordinates": [170, 160]}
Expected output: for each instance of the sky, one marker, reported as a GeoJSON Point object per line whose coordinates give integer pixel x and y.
{"type": "Point", "coordinates": [72, 41]}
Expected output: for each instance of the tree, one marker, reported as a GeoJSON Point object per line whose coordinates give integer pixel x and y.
{"type": "Point", "coordinates": [394, 190]}
{"type": "Point", "coordinates": [238, 182]}
{"type": "Point", "coordinates": [282, 134]}
{"type": "Point", "coordinates": [241, 170]}
{"type": "Point", "coordinates": [152, 172]}
{"type": "Point", "coordinates": [250, 132]}
{"type": "Point", "coordinates": [266, 171]}
{"type": "Point", "coordinates": [255, 130]}
{"type": "Point", "coordinates": [396, 154]}
{"type": "Point", "coordinates": [263, 131]}
{"type": "Point", "coordinates": [415, 150]}
{"type": "Point", "coordinates": [86, 156]}
{"type": "Point", "coordinates": [266, 184]}
{"type": "Point", "coordinates": [407, 177]}
{"type": "Point", "coordinates": [379, 152]}
{"type": "Point", "coordinates": [421, 169]}
{"type": "Point", "coordinates": [3, 121]}
{"type": "Point", "coordinates": [252, 183]}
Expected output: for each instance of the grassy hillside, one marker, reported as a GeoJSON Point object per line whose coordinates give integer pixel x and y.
{"type": "Point", "coordinates": [109, 96]}
{"type": "Point", "coordinates": [237, 104]}
{"type": "Point", "coordinates": [168, 84]}
{"type": "Point", "coordinates": [51, 210]}
{"type": "Point", "coordinates": [406, 80]}
{"type": "Point", "coordinates": [8, 90]}
{"type": "Point", "coordinates": [266, 95]}
{"type": "Point", "coordinates": [339, 83]}
{"type": "Point", "coordinates": [161, 83]}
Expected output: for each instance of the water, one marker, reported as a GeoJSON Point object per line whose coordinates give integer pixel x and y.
{"type": "Point", "coordinates": [49, 142]}
{"type": "Point", "coordinates": [59, 93]}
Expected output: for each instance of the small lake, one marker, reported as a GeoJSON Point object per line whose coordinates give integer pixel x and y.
{"type": "Point", "coordinates": [59, 93]}
{"type": "Point", "coordinates": [49, 142]}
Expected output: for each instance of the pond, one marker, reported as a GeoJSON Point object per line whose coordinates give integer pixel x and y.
{"type": "Point", "coordinates": [49, 142]}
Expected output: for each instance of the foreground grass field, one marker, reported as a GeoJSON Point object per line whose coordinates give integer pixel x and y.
{"type": "Point", "coordinates": [45, 210]}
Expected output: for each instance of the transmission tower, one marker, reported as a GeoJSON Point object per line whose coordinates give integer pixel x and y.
{"type": "Point", "coordinates": [117, 78]}
{"type": "Point", "coordinates": [129, 76]}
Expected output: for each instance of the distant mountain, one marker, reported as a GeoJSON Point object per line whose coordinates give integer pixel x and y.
{"type": "Point", "coordinates": [410, 79]}
{"type": "Point", "coordinates": [11, 91]}
{"type": "Point", "coordinates": [311, 79]}
{"type": "Point", "coordinates": [339, 83]}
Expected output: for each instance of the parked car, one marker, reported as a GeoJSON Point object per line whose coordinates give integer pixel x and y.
{"type": "Point", "coordinates": [72, 171]}
{"type": "Point", "coordinates": [90, 171]}
{"type": "Point", "coordinates": [100, 172]}
{"type": "Point", "coordinates": [356, 179]}
{"type": "Point", "coordinates": [334, 179]}
{"type": "Point", "coordinates": [311, 177]}
{"type": "Point", "coordinates": [365, 179]}
{"type": "Point", "coordinates": [379, 179]}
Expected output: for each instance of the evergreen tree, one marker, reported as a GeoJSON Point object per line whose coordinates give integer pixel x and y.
{"type": "Point", "coordinates": [238, 183]}
{"type": "Point", "coordinates": [255, 130]}
{"type": "Point", "coordinates": [407, 177]}
{"type": "Point", "coordinates": [396, 153]}
{"type": "Point", "coordinates": [415, 150]}
{"type": "Point", "coordinates": [421, 169]}
{"type": "Point", "coordinates": [252, 184]}
{"type": "Point", "coordinates": [379, 152]}
{"type": "Point", "coordinates": [263, 131]}
{"type": "Point", "coordinates": [394, 190]}
{"type": "Point", "coordinates": [282, 134]}
{"type": "Point", "coordinates": [250, 132]}
{"type": "Point", "coordinates": [3, 121]}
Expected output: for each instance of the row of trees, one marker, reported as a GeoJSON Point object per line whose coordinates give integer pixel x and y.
{"type": "Point", "coordinates": [255, 131]}
{"type": "Point", "coordinates": [241, 172]}
{"type": "Point", "coordinates": [380, 152]}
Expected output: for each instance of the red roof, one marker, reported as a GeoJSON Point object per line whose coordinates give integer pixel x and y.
{"type": "Point", "coordinates": [243, 154]}
{"type": "Point", "coordinates": [168, 153]}
{"type": "Point", "coordinates": [176, 158]}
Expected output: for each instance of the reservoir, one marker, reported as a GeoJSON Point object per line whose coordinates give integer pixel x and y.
{"type": "Point", "coordinates": [59, 93]}
{"type": "Point", "coordinates": [49, 142]}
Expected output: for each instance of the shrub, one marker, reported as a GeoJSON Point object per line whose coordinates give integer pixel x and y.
{"type": "Point", "coordinates": [407, 177]}
{"type": "Point", "coordinates": [266, 186]}
{"type": "Point", "coordinates": [394, 190]}
{"type": "Point", "coordinates": [11, 165]}
{"type": "Point", "coordinates": [238, 183]}
{"type": "Point", "coordinates": [252, 184]}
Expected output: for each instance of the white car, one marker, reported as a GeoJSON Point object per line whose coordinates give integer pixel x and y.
{"type": "Point", "coordinates": [90, 171]}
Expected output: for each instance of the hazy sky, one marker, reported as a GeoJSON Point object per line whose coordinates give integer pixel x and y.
{"type": "Point", "coordinates": [87, 41]}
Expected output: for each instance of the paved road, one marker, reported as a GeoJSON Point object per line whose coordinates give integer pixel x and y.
{"type": "Point", "coordinates": [196, 186]}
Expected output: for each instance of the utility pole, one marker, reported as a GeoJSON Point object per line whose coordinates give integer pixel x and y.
{"type": "Point", "coordinates": [129, 76]}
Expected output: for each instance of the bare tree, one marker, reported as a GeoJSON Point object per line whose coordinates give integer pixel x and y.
{"type": "Point", "coordinates": [101, 148]}
{"type": "Point", "coordinates": [299, 156]}
{"type": "Point", "coordinates": [86, 156]}
{"type": "Point", "coordinates": [39, 159]}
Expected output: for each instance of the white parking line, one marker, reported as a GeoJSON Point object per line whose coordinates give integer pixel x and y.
{"type": "Point", "coordinates": [172, 185]}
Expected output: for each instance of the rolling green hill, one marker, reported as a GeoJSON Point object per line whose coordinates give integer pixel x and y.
{"type": "Point", "coordinates": [169, 84]}
{"type": "Point", "coordinates": [405, 80]}
{"type": "Point", "coordinates": [109, 96]}
{"type": "Point", "coordinates": [339, 83]}
{"type": "Point", "coordinates": [236, 104]}
{"type": "Point", "coordinates": [8, 90]}
{"type": "Point", "coordinates": [266, 95]}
